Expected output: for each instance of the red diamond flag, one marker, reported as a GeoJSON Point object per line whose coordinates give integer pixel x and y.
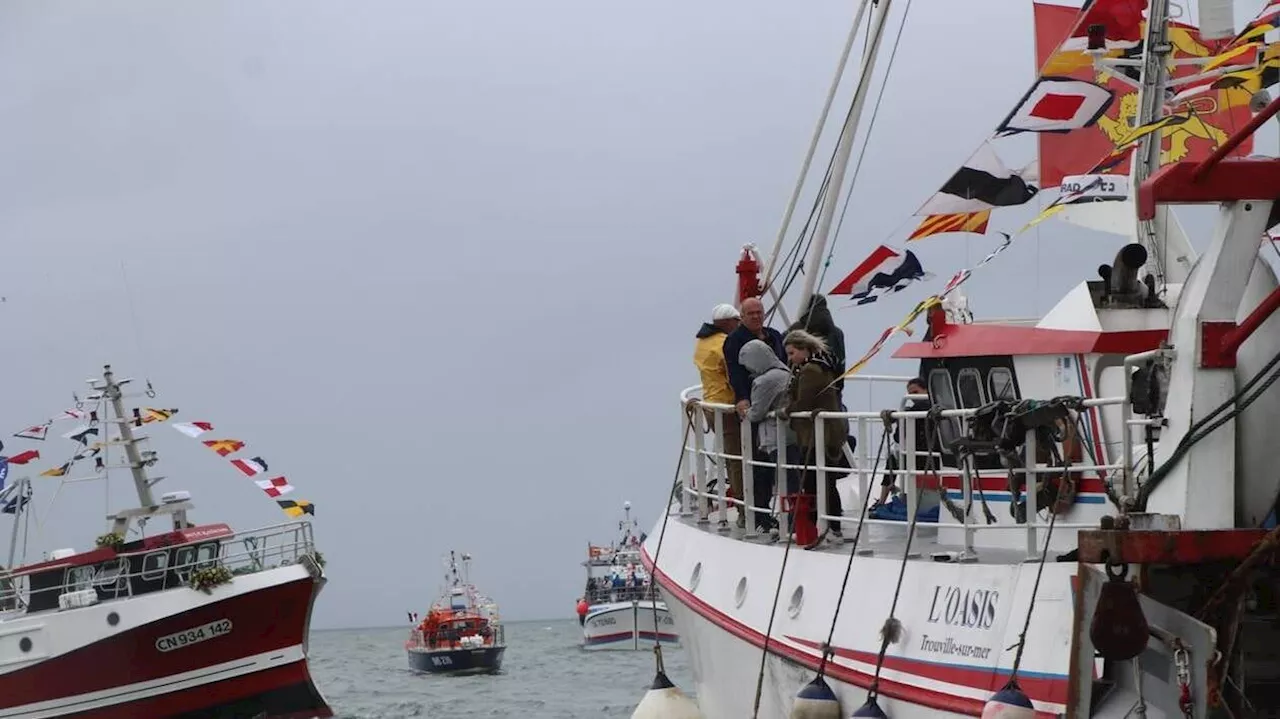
{"type": "Point", "coordinates": [1057, 104]}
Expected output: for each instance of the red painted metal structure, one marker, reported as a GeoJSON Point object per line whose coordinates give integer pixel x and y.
{"type": "Point", "coordinates": [1213, 180]}
{"type": "Point", "coordinates": [748, 275]}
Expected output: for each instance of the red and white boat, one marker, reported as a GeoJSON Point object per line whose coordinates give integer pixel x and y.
{"type": "Point", "coordinates": [165, 618]}
{"type": "Point", "coordinates": [1110, 547]}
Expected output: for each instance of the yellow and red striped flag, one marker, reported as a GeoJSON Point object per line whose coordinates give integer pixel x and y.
{"type": "Point", "coordinates": [975, 222]}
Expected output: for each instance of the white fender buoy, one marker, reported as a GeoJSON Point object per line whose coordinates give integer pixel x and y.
{"type": "Point", "coordinates": [815, 700]}
{"type": "Point", "coordinates": [1009, 703]}
{"type": "Point", "coordinates": [665, 701]}
{"type": "Point", "coordinates": [870, 709]}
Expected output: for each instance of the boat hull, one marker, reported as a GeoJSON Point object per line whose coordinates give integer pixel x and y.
{"type": "Point", "coordinates": [959, 621]}
{"type": "Point", "coordinates": [628, 626]}
{"type": "Point", "coordinates": [238, 650]}
{"type": "Point", "coordinates": [483, 660]}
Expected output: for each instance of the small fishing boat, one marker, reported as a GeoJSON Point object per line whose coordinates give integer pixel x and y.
{"type": "Point", "coordinates": [621, 608]}
{"type": "Point", "coordinates": [462, 632]}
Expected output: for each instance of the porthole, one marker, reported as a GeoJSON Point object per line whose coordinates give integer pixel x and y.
{"type": "Point", "coordinates": [740, 592]}
{"type": "Point", "coordinates": [696, 576]}
{"type": "Point", "coordinates": [797, 601]}
{"type": "Point", "coordinates": [25, 644]}
{"type": "Point", "coordinates": [113, 619]}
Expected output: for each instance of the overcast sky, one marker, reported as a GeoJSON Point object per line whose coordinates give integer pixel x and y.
{"type": "Point", "coordinates": [441, 263]}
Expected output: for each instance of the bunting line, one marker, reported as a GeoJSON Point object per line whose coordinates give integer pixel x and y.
{"type": "Point", "coordinates": [253, 467]}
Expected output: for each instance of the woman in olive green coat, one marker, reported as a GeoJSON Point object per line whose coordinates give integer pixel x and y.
{"type": "Point", "coordinates": [812, 390]}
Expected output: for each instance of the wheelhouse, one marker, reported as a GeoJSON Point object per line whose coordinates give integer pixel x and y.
{"type": "Point", "coordinates": [150, 564]}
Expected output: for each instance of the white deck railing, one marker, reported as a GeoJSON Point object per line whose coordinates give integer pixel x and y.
{"type": "Point", "coordinates": [868, 427]}
{"type": "Point", "coordinates": [240, 553]}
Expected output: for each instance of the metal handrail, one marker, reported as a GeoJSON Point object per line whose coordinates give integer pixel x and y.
{"type": "Point", "coordinates": [864, 421]}
{"type": "Point", "coordinates": [240, 553]}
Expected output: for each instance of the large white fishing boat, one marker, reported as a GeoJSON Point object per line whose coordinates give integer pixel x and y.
{"type": "Point", "coordinates": [1105, 473]}
{"type": "Point", "coordinates": [164, 617]}
{"type": "Point", "coordinates": [621, 607]}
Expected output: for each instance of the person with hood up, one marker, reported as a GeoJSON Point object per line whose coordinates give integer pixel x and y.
{"type": "Point", "coordinates": [812, 389]}
{"type": "Point", "coordinates": [713, 370]}
{"type": "Point", "coordinates": [817, 321]}
{"type": "Point", "coordinates": [769, 380]}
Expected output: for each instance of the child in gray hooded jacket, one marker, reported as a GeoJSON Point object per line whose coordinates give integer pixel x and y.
{"type": "Point", "coordinates": [769, 381]}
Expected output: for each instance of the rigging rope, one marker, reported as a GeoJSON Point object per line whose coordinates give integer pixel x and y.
{"type": "Point", "coordinates": [875, 111]}
{"type": "Point", "coordinates": [892, 628]}
{"type": "Point", "coordinates": [1035, 588]}
{"type": "Point", "coordinates": [675, 486]}
{"type": "Point", "coordinates": [862, 518]}
{"type": "Point", "coordinates": [786, 552]}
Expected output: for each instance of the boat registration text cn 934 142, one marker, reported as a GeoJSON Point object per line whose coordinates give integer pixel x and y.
{"type": "Point", "coordinates": [194, 635]}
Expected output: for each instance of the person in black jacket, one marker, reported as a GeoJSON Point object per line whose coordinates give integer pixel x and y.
{"type": "Point", "coordinates": [914, 386]}
{"type": "Point", "coordinates": [817, 321]}
{"type": "Point", "coordinates": [751, 328]}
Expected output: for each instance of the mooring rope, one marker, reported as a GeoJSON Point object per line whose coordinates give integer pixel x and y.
{"type": "Point", "coordinates": [1035, 588]}
{"type": "Point", "coordinates": [666, 516]}
{"type": "Point", "coordinates": [891, 629]}
{"type": "Point", "coordinates": [862, 518]}
{"type": "Point", "coordinates": [786, 552]}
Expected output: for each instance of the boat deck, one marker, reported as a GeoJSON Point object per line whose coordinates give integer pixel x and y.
{"type": "Point", "coordinates": [879, 538]}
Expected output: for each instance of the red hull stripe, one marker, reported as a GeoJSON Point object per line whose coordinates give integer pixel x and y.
{"type": "Point", "coordinates": [1087, 485]}
{"type": "Point", "coordinates": [1021, 341]}
{"type": "Point", "coordinates": [262, 621]}
{"type": "Point", "coordinates": [621, 636]}
{"type": "Point", "coordinates": [1040, 686]}
{"type": "Point", "coordinates": [220, 698]}
{"type": "Point", "coordinates": [896, 690]}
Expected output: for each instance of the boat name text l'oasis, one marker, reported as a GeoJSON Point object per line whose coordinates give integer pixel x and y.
{"type": "Point", "coordinates": [961, 607]}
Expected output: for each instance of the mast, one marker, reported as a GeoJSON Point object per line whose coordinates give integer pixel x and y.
{"type": "Point", "coordinates": [843, 151]}
{"type": "Point", "coordinates": [111, 390]}
{"type": "Point", "coordinates": [1146, 159]}
{"type": "Point", "coordinates": [772, 263]}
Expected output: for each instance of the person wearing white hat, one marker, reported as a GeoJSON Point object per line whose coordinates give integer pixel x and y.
{"type": "Point", "coordinates": [708, 357]}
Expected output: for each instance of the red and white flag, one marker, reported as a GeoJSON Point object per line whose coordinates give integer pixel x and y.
{"type": "Point", "coordinates": [38, 431]}
{"type": "Point", "coordinates": [193, 429]}
{"type": "Point", "coordinates": [275, 486]}
{"type": "Point", "coordinates": [250, 467]}
{"type": "Point", "coordinates": [1057, 104]}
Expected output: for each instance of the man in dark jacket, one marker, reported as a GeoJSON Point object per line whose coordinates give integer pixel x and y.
{"type": "Point", "coordinates": [752, 328]}
{"type": "Point", "coordinates": [914, 386]}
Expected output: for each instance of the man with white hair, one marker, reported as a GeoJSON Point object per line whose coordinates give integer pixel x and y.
{"type": "Point", "coordinates": [752, 328]}
{"type": "Point", "coordinates": [708, 357]}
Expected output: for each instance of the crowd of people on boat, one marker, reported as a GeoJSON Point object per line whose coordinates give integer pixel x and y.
{"type": "Point", "coordinates": [623, 584]}
{"type": "Point", "coordinates": [758, 370]}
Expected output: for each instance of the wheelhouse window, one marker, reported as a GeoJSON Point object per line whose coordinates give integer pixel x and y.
{"type": "Point", "coordinates": [1000, 382]}
{"type": "Point", "coordinates": [940, 390]}
{"type": "Point", "coordinates": [969, 387]}
{"type": "Point", "coordinates": [79, 578]}
{"type": "Point", "coordinates": [184, 562]}
{"type": "Point", "coordinates": [154, 565]}
{"type": "Point", "coordinates": [110, 576]}
{"type": "Point", "coordinates": [206, 554]}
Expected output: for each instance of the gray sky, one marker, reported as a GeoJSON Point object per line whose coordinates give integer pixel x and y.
{"type": "Point", "coordinates": [441, 263]}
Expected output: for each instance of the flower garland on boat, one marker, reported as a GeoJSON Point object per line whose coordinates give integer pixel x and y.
{"type": "Point", "coordinates": [206, 578]}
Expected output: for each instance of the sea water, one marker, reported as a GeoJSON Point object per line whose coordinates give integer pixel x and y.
{"type": "Point", "coordinates": [363, 674]}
